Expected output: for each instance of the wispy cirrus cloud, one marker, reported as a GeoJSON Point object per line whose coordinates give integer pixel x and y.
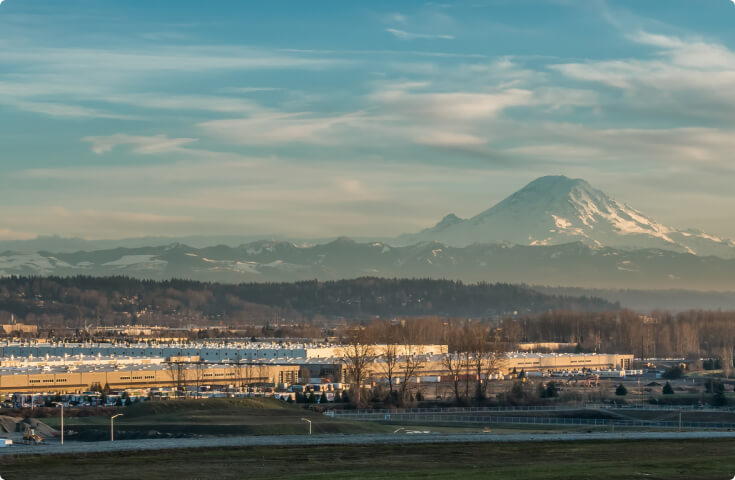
{"type": "Point", "coordinates": [404, 35]}
{"type": "Point", "coordinates": [149, 145]}
{"type": "Point", "coordinates": [686, 77]}
{"type": "Point", "coordinates": [280, 128]}
{"type": "Point", "coordinates": [91, 82]}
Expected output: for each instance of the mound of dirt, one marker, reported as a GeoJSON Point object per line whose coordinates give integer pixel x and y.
{"type": "Point", "coordinates": [9, 424]}
{"type": "Point", "coordinates": [41, 428]}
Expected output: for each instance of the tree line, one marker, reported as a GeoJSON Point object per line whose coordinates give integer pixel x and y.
{"type": "Point", "coordinates": [693, 334]}
{"type": "Point", "coordinates": [76, 301]}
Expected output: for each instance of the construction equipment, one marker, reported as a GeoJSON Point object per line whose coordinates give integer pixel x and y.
{"type": "Point", "coordinates": [32, 438]}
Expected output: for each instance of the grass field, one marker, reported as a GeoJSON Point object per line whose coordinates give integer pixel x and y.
{"type": "Point", "coordinates": [670, 460]}
{"type": "Point", "coordinates": [218, 416]}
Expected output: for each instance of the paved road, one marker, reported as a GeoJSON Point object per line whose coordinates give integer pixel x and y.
{"type": "Point", "coordinates": [366, 439]}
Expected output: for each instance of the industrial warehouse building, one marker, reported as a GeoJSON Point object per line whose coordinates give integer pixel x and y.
{"type": "Point", "coordinates": [76, 378]}
{"type": "Point", "coordinates": [59, 369]}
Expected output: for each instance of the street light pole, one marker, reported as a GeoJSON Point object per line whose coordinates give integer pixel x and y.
{"type": "Point", "coordinates": [62, 420]}
{"type": "Point", "coordinates": [112, 426]}
{"type": "Point", "coordinates": [309, 421]}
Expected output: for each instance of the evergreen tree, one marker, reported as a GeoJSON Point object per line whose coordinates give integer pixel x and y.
{"type": "Point", "coordinates": [621, 390]}
{"type": "Point", "coordinates": [668, 390]}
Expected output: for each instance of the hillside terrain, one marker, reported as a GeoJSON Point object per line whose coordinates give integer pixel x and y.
{"type": "Point", "coordinates": [118, 300]}
{"type": "Point", "coordinates": [571, 264]}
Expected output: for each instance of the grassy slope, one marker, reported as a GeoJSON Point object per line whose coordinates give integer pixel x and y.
{"type": "Point", "coordinates": [218, 416]}
{"type": "Point", "coordinates": [669, 460]}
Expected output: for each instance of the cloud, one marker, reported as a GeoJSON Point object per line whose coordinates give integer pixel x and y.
{"type": "Point", "coordinates": [685, 78]}
{"type": "Point", "coordinates": [280, 128]}
{"type": "Point", "coordinates": [244, 194]}
{"type": "Point", "coordinates": [350, 186]}
{"type": "Point", "coordinates": [55, 109]}
{"type": "Point", "coordinates": [118, 216]}
{"type": "Point", "coordinates": [7, 234]}
{"type": "Point", "coordinates": [397, 17]}
{"type": "Point", "coordinates": [184, 58]}
{"type": "Point", "coordinates": [448, 139]}
{"type": "Point", "coordinates": [404, 35]}
{"type": "Point", "coordinates": [74, 82]}
{"type": "Point", "coordinates": [452, 105]}
{"type": "Point", "coordinates": [145, 145]}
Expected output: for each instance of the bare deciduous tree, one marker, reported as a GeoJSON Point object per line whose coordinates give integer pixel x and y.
{"type": "Point", "coordinates": [177, 371]}
{"type": "Point", "coordinates": [389, 363]}
{"type": "Point", "coordinates": [488, 353]}
{"type": "Point", "coordinates": [358, 354]}
{"type": "Point", "coordinates": [412, 362]}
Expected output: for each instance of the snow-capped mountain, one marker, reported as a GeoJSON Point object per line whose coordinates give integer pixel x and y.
{"type": "Point", "coordinates": [555, 210]}
{"type": "Point", "coordinates": [569, 264]}
{"type": "Point", "coordinates": [554, 231]}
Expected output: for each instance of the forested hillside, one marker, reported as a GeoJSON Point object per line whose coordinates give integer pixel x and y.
{"type": "Point", "coordinates": [75, 301]}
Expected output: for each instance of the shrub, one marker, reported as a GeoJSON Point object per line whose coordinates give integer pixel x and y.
{"type": "Point", "coordinates": [517, 392]}
{"type": "Point", "coordinates": [668, 390]}
{"type": "Point", "coordinates": [621, 390]}
{"type": "Point", "coordinates": [552, 390]}
{"type": "Point", "coordinates": [719, 399]}
{"type": "Point", "coordinates": [673, 373]}
{"type": "Point", "coordinates": [714, 386]}
{"type": "Point", "coordinates": [711, 364]}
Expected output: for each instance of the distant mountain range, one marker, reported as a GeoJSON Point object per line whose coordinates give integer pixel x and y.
{"type": "Point", "coordinates": [568, 264]}
{"type": "Point", "coordinates": [555, 231]}
{"type": "Point", "coordinates": [554, 210]}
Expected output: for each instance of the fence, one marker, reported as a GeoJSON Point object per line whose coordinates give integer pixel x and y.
{"type": "Point", "coordinates": [532, 408]}
{"type": "Point", "coordinates": [429, 418]}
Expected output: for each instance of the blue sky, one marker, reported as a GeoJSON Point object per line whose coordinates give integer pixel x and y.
{"type": "Point", "coordinates": [132, 118]}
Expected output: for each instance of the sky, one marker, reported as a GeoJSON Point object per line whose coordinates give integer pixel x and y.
{"type": "Point", "coordinates": [315, 119]}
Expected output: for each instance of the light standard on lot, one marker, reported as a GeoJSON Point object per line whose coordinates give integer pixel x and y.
{"type": "Point", "coordinates": [62, 420]}
{"type": "Point", "coordinates": [112, 426]}
{"type": "Point", "coordinates": [309, 421]}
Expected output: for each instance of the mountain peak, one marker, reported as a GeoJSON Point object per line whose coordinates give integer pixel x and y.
{"type": "Point", "coordinates": [557, 209]}
{"type": "Point", "coordinates": [448, 220]}
{"type": "Point", "coordinates": [555, 186]}
{"type": "Point", "coordinates": [550, 181]}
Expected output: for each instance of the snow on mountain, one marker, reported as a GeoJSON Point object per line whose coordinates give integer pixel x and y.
{"type": "Point", "coordinates": [554, 210]}
{"type": "Point", "coordinates": [566, 264]}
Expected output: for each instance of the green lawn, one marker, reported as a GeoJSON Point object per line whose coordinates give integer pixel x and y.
{"type": "Point", "coordinates": [670, 460]}
{"type": "Point", "coordinates": [180, 418]}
